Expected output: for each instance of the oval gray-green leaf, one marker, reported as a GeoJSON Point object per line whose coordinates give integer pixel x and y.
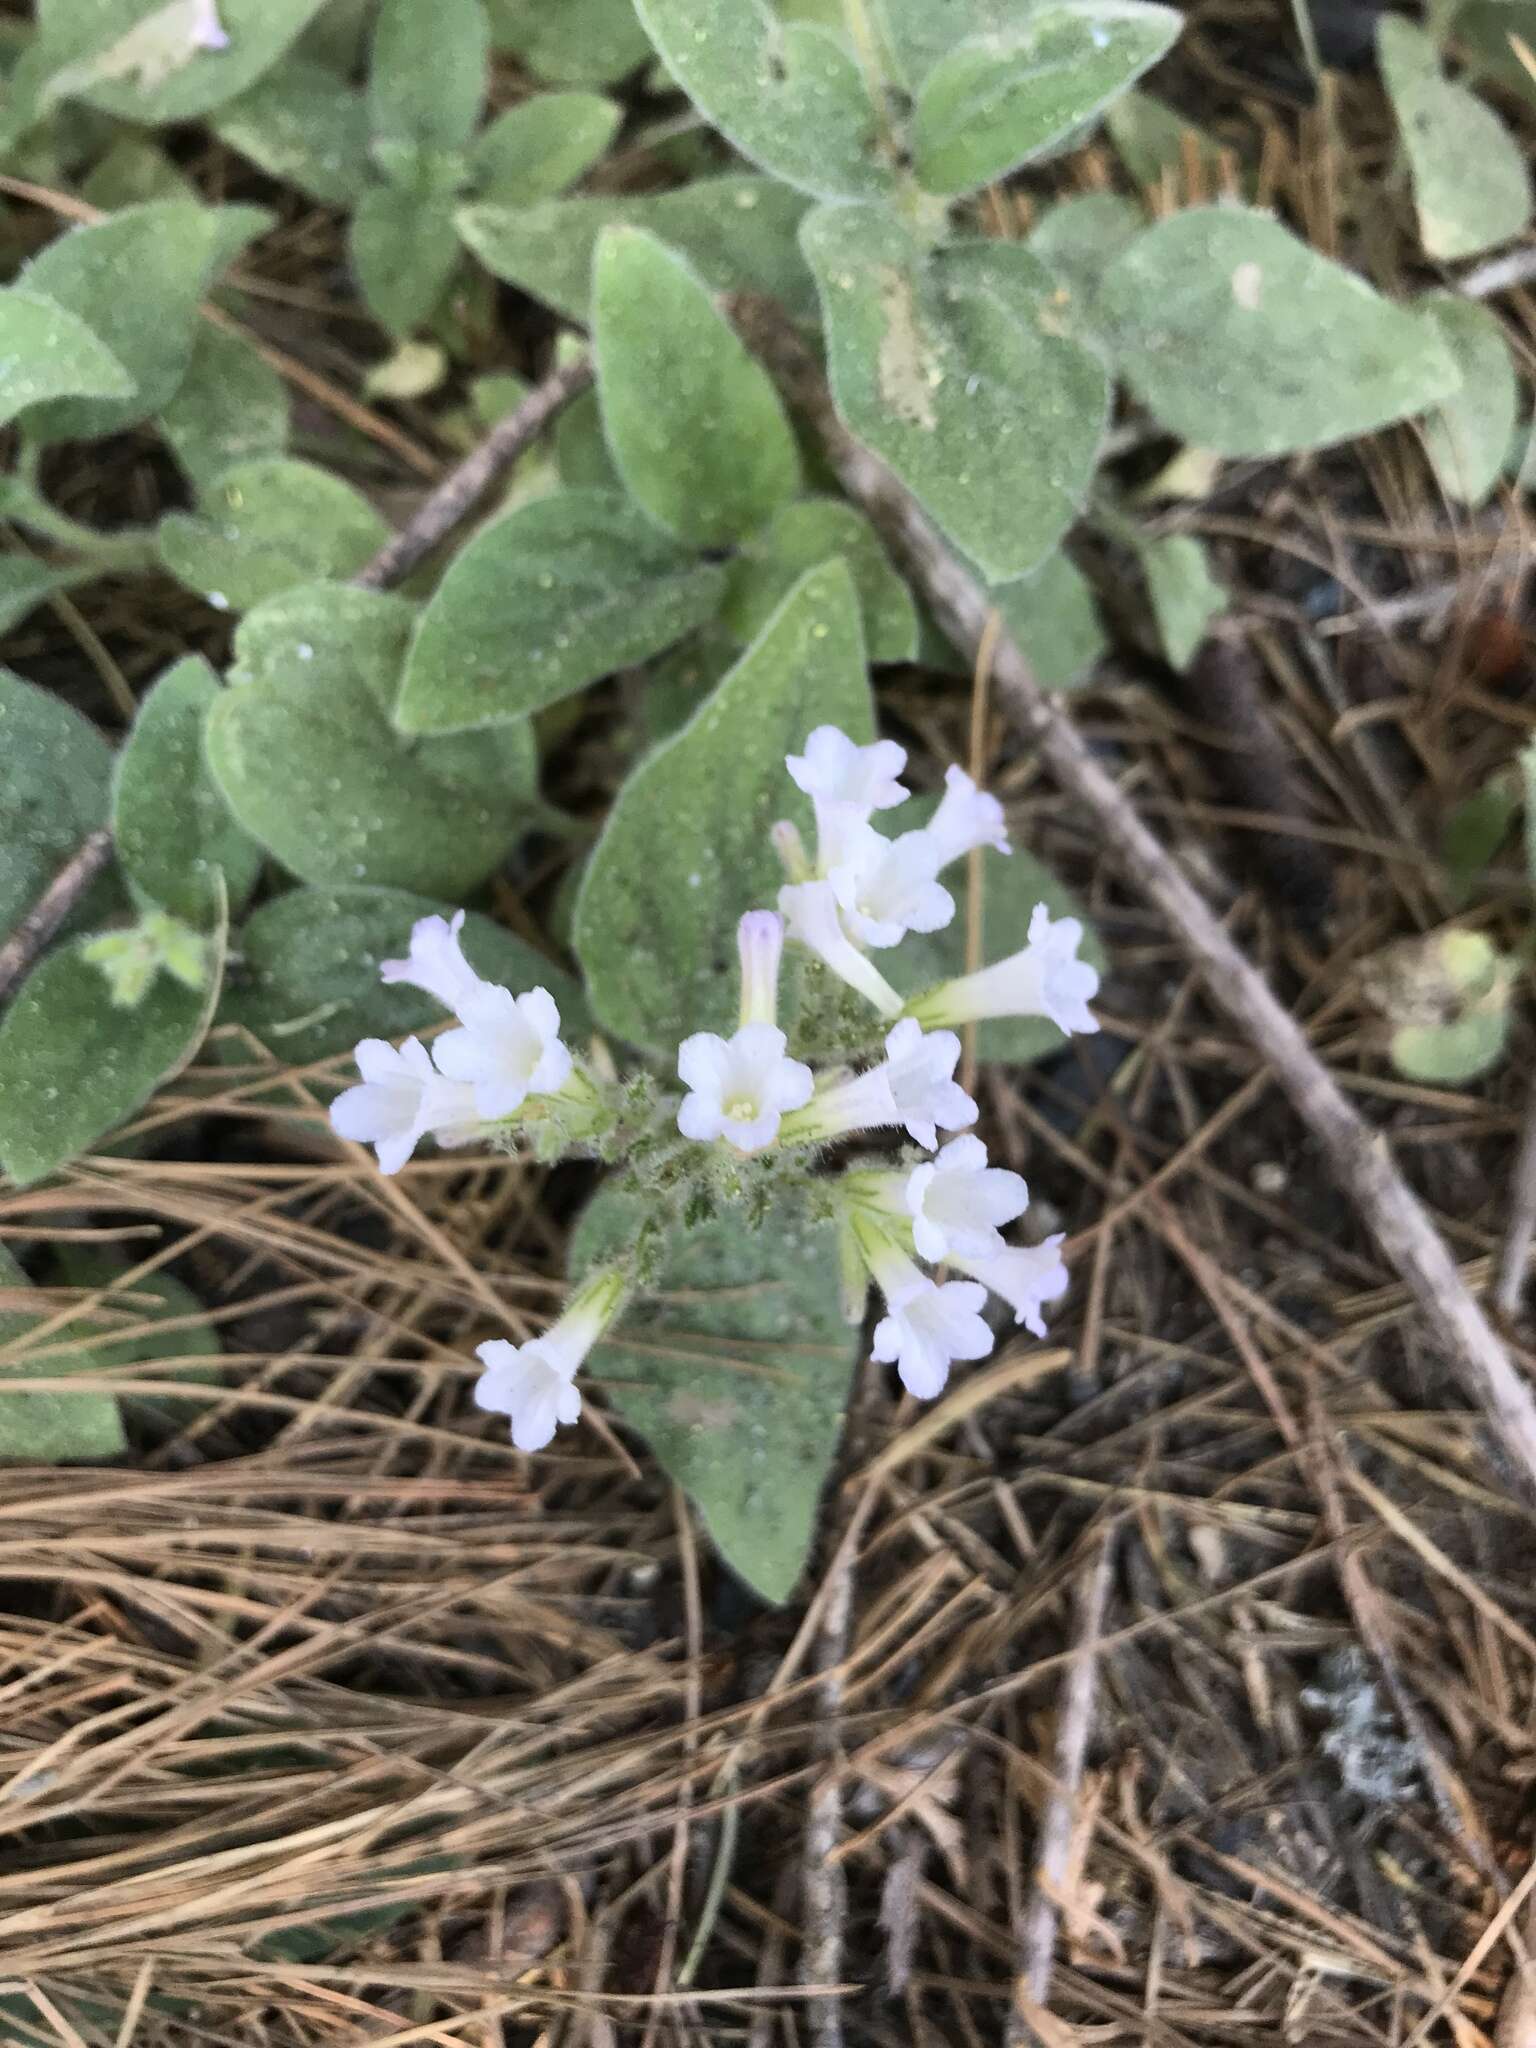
{"type": "Point", "coordinates": [48, 353]}
{"type": "Point", "coordinates": [559, 592]}
{"type": "Point", "coordinates": [736, 1370]}
{"type": "Point", "coordinates": [536, 149]}
{"type": "Point", "coordinates": [268, 525]}
{"type": "Point", "coordinates": [801, 537]}
{"type": "Point", "coordinates": [1241, 339]}
{"type": "Point", "coordinates": [686, 850]}
{"type": "Point", "coordinates": [1153, 139]}
{"type": "Point", "coordinates": [693, 422]}
{"type": "Point", "coordinates": [25, 582]}
{"type": "Point", "coordinates": [737, 231]}
{"type": "Point", "coordinates": [76, 1066]}
{"type": "Point", "coordinates": [1468, 437]}
{"type": "Point", "coordinates": [1078, 239]}
{"type": "Point", "coordinates": [915, 35]}
{"type": "Point", "coordinates": [789, 95]}
{"type": "Point", "coordinates": [1471, 185]}
{"type": "Point", "coordinates": [580, 42]}
{"type": "Point", "coordinates": [173, 830]}
{"type": "Point", "coordinates": [993, 102]}
{"type": "Point", "coordinates": [305, 978]}
{"type": "Point", "coordinates": [404, 251]}
{"type": "Point", "coordinates": [302, 746]}
{"type": "Point", "coordinates": [427, 74]}
{"type": "Point", "coordinates": [99, 274]}
{"type": "Point", "coordinates": [135, 58]}
{"type": "Point", "coordinates": [232, 408]}
{"type": "Point", "coordinates": [953, 364]}
{"type": "Point", "coordinates": [304, 124]}
{"type": "Point", "coordinates": [47, 1429]}
{"type": "Point", "coordinates": [1185, 595]}
{"type": "Point", "coordinates": [55, 788]}
{"type": "Point", "coordinates": [1052, 615]}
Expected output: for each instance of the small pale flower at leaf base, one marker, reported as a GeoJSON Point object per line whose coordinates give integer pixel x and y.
{"type": "Point", "coordinates": [790, 848]}
{"type": "Point", "coordinates": [927, 1326]}
{"type": "Point", "coordinates": [914, 1086]}
{"type": "Point", "coordinates": [533, 1383]}
{"type": "Point", "coordinates": [967, 817]}
{"type": "Point", "coordinates": [507, 1049]}
{"type": "Point", "coordinates": [1027, 1277]}
{"type": "Point", "coordinates": [739, 1087]}
{"type": "Point", "coordinates": [886, 888]}
{"type": "Point", "coordinates": [811, 913]}
{"type": "Point", "coordinates": [1044, 979]}
{"type": "Point", "coordinates": [401, 1099]}
{"type": "Point", "coordinates": [957, 1202]}
{"type": "Point", "coordinates": [760, 947]}
{"type": "Point", "coordinates": [436, 963]}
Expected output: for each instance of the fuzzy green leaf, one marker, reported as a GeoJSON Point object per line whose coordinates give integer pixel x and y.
{"type": "Point", "coordinates": [953, 365]}
{"type": "Point", "coordinates": [1241, 339]}
{"type": "Point", "coordinates": [47, 1429]}
{"type": "Point", "coordinates": [1052, 615]}
{"type": "Point", "coordinates": [736, 1370]}
{"type": "Point", "coordinates": [302, 746]}
{"type": "Point", "coordinates": [536, 149]}
{"type": "Point", "coordinates": [580, 42]}
{"type": "Point", "coordinates": [801, 537]}
{"type": "Point", "coordinates": [1445, 1055]}
{"type": "Point", "coordinates": [1153, 137]}
{"type": "Point", "coordinates": [306, 983]}
{"type": "Point", "coordinates": [1185, 595]}
{"type": "Point", "coordinates": [916, 35]}
{"type": "Point", "coordinates": [693, 422]}
{"type": "Point", "coordinates": [268, 525]}
{"type": "Point", "coordinates": [686, 848]}
{"type": "Point", "coordinates": [738, 232]}
{"type": "Point", "coordinates": [55, 784]}
{"type": "Point", "coordinates": [404, 251]}
{"type": "Point", "coordinates": [996, 101]}
{"type": "Point", "coordinates": [1471, 185]}
{"type": "Point", "coordinates": [76, 1065]}
{"type": "Point", "coordinates": [102, 275]}
{"type": "Point", "coordinates": [1078, 239]}
{"type": "Point", "coordinates": [561, 591]}
{"type": "Point", "coordinates": [232, 408]}
{"type": "Point", "coordinates": [26, 582]}
{"type": "Point", "coordinates": [1468, 438]}
{"type": "Point", "coordinates": [789, 95]}
{"type": "Point", "coordinates": [136, 58]}
{"type": "Point", "coordinates": [426, 76]}
{"type": "Point", "coordinates": [304, 124]}
{"type": "Point", "coordinates": [48, 353]}
{"type": "Point", "coordinates": [171, 825]}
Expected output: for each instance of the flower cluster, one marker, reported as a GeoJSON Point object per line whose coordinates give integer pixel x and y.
{"type": "Point", "coordinates": [751, 1102]}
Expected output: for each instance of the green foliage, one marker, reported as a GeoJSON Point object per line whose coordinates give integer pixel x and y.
{"type": "Point", "coordinates": [302, 746]}
{"type": "Point", "coordinates": [952, 364]}
{"type": "Point", "coordinates": [735, 1369]}
{"type": "Point", "coordinates": [404, 251]}
{"type": "Point", "coordinates": [77, 1065]}
{"type": "Point", "coordinates": [1476, 829]}
{"type": "Point", "coordinates": [738, 232]}
{"type": "Point", "coordinates": [686, 848]}
{"type": "Point", "coordinates": [1468, 438]}
{"type": "Point", "coordinates": [1052, 615]}
{"type": "Point", "coordinates": [536, 149]}
{"type": "Point", "coordinates": [694, 425]}
{"type": "Point", "coordinates": [55, 780]}
{"type": "Point", "coordinates": [789, 95]}
{"type": "Point", "coordinates": [98, 274]}
{"type": "Point", "coordinates": [541, 602]}
{"type": "Point", "coordinates": [1078, 239]}
{"type": "Point", "coordinates": [1151, 138]}
{"type": "Point", "coordinates": [1242, 339]}
{"type": "Point", "coordinates": [47, 1428]}
{"type": "Point", "coordinates": [917, 34]}
{"type": "Point", "coordinates": [305, 982]}
{"type": "Point", "coordinates": [266, 526]}
{"type": "Point", "coordinates": [232, 408]}
{"type": "Point", "coordinates": [993, 102]}
{"type": "Point", "coordinates": [48, 353]}
{"type": "Point", "coordinates": [25, 583]}
{"type": "Point", "coordinates": [302, 123]}
{"type": "Point", "coordinates": [801, 537]}
{"type": "Point", "coordinates": [171, 826]}
{"type": "Point", "coordinates": [580, 42]}
{"type": "Point", "coordinates": [1185, 595]}
{"type": "Point", "coordinates": [1471, 185]}
{"type": "Point", "coordinates": [1446, 998]}
{"type": "Point", "coordinates": [426, 79]}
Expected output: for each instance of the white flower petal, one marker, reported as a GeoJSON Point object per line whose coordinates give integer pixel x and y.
{"type": "Point", "coordinates": [704, 1061]}
{"type": "Point", "coordinates": [1027, 1277]}
{"type": "Point", "coordinates": [700, 1117]}
{"type": "Point", "coordinates": [835, 770]}
{"type": "Point", "coordinates": [967, 817]}
{"type": "Point", "coordinates": [436, 963]}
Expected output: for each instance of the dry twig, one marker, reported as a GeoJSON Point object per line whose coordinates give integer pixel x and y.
{"type": "Point", "coordinates": [52, 907]}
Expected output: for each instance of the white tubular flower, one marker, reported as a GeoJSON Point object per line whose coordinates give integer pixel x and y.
{"type": "Point", "coordinates": [740, 1086]}
{"type": "Point", "coordinates": [1026, 1276]}
{"type": "Point", "coordinates": [835, 770]}
{"type": "Point", "coordinates": [207, 31]}
{"type": "Point", "coordinates": [811, 913]}
{"type": "Point", "coordinates": [926, 1326]}
{"type": "Point", "coordinates": [760, 947]}
{"type": "Point", "coordinates": [914, 1086]}
{"type": "Point", "coordinates": [400, 1099]}
{"type": "Point", "coordinates": [790, 847]}
{"type": "Point", "coordinates": [1045, 979]}
{"type": "Point", "coordinates": [957, 1201]}
{"type": "Point", "coordinates": [507, 1049]}
{"type": "Point", "coordinates": [967, 817]}
{"type": "Point", "coordinates": [886, 888]}
{"type": "Point", "coordinates": [534, 1383]}
{"type": "Point", "coordinates": [436, 963]}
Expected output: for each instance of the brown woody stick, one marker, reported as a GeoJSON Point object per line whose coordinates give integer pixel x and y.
{"type": "Point", "coordinates": [1358, 1155]}
{"type": "Point", "coordinates": [52, 907]}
